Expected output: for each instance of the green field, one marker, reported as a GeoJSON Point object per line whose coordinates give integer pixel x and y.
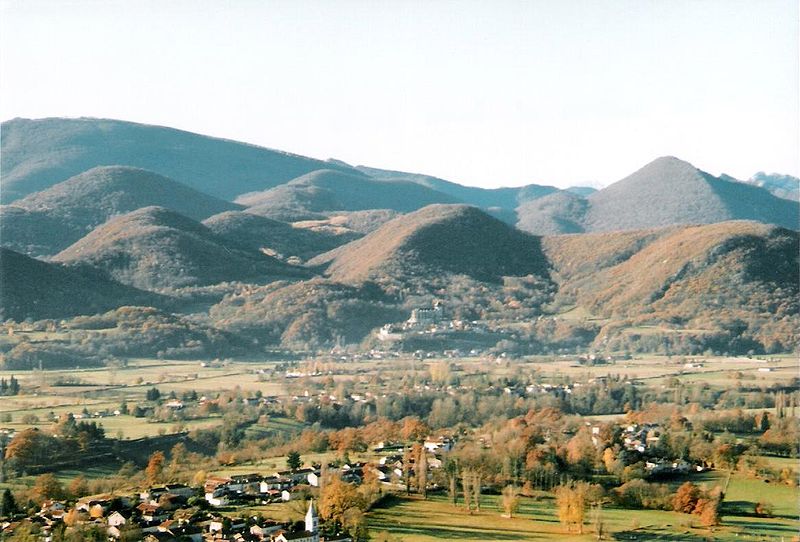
{"type": "Point", "coordinates": [413, 520]}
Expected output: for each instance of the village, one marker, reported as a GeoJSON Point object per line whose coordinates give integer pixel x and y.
{"type": "Point", "coordinates": [220, 509]}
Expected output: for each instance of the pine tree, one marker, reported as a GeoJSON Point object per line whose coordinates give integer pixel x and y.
{"type": "Point", "coordinates": [8, 505]}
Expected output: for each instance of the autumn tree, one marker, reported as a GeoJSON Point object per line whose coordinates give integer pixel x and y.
{"type": "Point", "coordinates": [46, 487]}
{"type": "Point", "coordinates": [336, 498]}
{"type": "Point", "coordinates": [78, 487]}
{"type": "Point", "coordinates": [510, 501]}
{"type": "Point", "coordinates": [571, 502]}
{"type": "Point", "coordinates": [178, 456]}
{"type": "Point", "coordinates": [451, 471]}
{"type": "Point", "coordinates": [466, 485]}
{"type": "Point", "coordinates": [199, 477]}
{"type": "Point", "coordinates": [414, 429]}
{"type": "Point", "coordinates": [31, 447]}
{"type": "Point", "coordinates": [476, 490]}
{"type": "Point", "coordinates": [686, 498]}
{"type": "Point", "coordinates": [763, 509]}
{"type": "Point", "coordinates": [422, 472]}
{"type": "Point", "coordinates": [155, 467]}
{"type": "Point", "coordinates": [355, 523]}
{"type": "Point", "coordinates": [708, 510]}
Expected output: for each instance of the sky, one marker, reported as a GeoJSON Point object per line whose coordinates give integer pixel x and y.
{"type": "Point", "coordinates": [485, 93]}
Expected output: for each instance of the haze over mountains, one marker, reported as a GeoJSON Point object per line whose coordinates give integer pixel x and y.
{"type": "Point", "coordinates": [295, 251]}
{"type": "Point", "coordinates": [46, 222]}
{"type": "Point", "coordinates": [40, 153]}
{"type": "Point", "coordinates": [155, 248]}
{"type": "Point", "coordinates": [664, 192]}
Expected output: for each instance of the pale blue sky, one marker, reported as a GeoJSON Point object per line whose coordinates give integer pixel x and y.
{"type": "Point", "coordinates": [485, 93]}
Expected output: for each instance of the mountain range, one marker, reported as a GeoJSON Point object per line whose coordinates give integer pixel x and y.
{"type": "Point", "coordinates": [283, 249]}
{"type": "Point", "coordinates": [47, 222]}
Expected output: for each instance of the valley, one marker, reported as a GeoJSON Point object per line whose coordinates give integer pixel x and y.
{"type": "Point", "coordinates": [207, 340]}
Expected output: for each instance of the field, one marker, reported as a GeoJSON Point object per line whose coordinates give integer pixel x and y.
{"type": "Point", "coordinates": [61, 392]}
{"type": "Point", "coordinates": [411, 519]}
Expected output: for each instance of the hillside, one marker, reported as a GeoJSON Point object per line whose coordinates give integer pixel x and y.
{"type": "Point", "coordinates": [670, 191]}
{"type": "Point", "coordinates": [34, 289]}
{"type": "Point", "coordinates": [37, 154]}
{"type": "Point", "coordinates": [350, 222]}
{"type": "Point", "coordinates": [318, 193]}
{"type": "Point", "coordinates": [455, 239]}
{"type": "Point", "coordinates": [46, 222]}
{"type": "Point", "coordinates": [782, 186]}
{"type": "Point", "coordinates": [560, 212]}
{"type": "Point", "coordinates": [258, 233]}
{"type": "Point", "coordinates": [665, 192]}
{"type": "Point", "coordinates": [725, 280]}
{"type": "Point", "coordinates": [503, 198]}
{"type": "Point", "coordinates": [155, 248]}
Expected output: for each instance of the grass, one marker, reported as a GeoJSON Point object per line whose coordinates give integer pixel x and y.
{"type": "Point", "coordinates": [105, 388]}
{"type": "Point", "coordinates": [415, 520]}
{"type": "Point", "coordinates": [411, 519]}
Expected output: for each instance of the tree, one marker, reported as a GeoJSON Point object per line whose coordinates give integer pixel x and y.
{"type": "Point", "coordinates": [199, 477]}
{"type": "Point", "coordinates": [31, 447]}
{"type": "Point", "coordinates": [155, 467]}
{"type": "Point", "coordinates": [293, 460]}
{"type": "Point", "coordinates": [153, 394]}
{"type": "Point", "coordinates": [597, 520]}
{"type": "Point", "coordinates": [414, 429]}
{"type": "Point", "coordinates": [476, 490]}
{"type": "Point", "coordinates": [764, 422]}
{"type": "Point", "coordinates": [571, 504]}
{"type": "Point", "coordinates": [510, 501]}
{"type": "Point", "coordinates": [708, 510]}
{"type": "Point", "coordinates": [762, 509]}
{"type": "Point", "coordinates": [8, 505]}
{"type": "Point", "coordinates": [46, 487]}
{"type": "Point", "coordinates": [466, 485]}
{"type": "Point", "coordinates": [370, 487]}
{"type": "Point", "coordinates": [686, 498]}
{"type": "Point", "coordinates": [422, 472]}
{"type": "Point", "coordinates": [356, 524]}
{"type": "Point", "coordinates": [78, 487]}
{"type": "Point", "coordinates": [25, 532]}
{"type": "Point", "coordinates": [336, 498]}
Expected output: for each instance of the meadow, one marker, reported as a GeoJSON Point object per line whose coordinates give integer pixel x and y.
{"type": "Point", "coordinates": [412, 519]}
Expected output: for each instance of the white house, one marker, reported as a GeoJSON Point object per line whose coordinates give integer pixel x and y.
{"type": "Point", "coordinates": [217, 498]}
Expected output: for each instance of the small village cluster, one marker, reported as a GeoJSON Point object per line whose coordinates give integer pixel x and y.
{"type": "Point", "coordinates": [180, 512]}
{"type": "Point", "coordinates": [161, 515]}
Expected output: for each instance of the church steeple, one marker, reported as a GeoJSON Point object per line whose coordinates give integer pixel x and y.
{"type": "Point", "coordinates": [312, 520]}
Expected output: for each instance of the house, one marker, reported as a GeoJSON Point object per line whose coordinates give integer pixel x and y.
{"type": "Point", "coordinates": [218, 497]}
{"type": "Point", "coordinates": [274, 482]}
{"type": "Point", "coordinates": [181, 490]}
{"type": "Point", "coordinates": [297, 476]}
{"type": "Point", "coordinates": [152, 495]}
{"type": "Point", "coordinates": [214, 482]}
{"type": "Point", "coordinates": [440, 444]}
{"type": "Point", "coordinates": [85, 504]}
{"type": "Point", "coordinates": [152, 512]}
{"type": "Point", "coordinates": [244, 482]}
{"type": "Point", "coordinates": [263, 531]}
{"type": "Point", "coordinates": [117, 519]}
